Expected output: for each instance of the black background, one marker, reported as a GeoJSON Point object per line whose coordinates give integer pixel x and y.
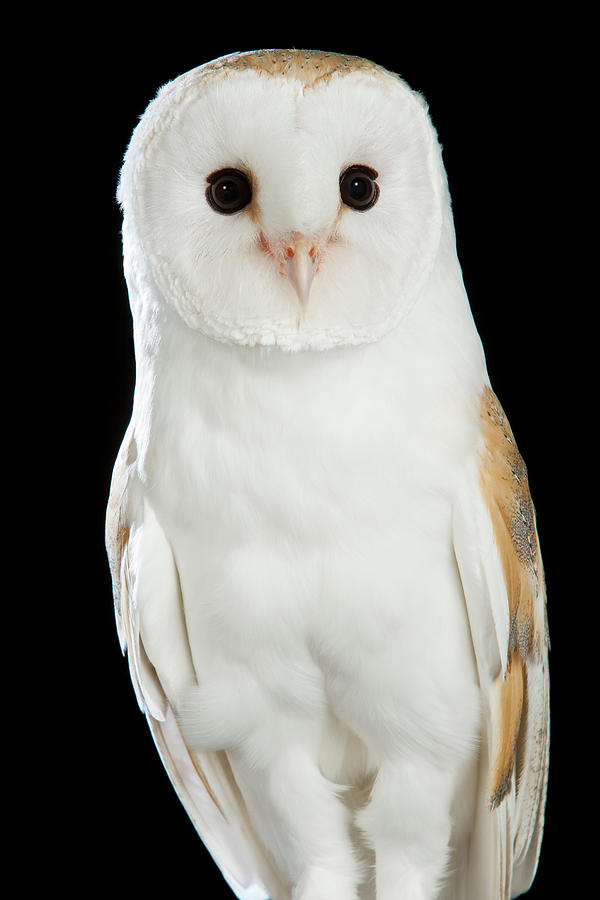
{"type": "Point", "coordinates": [501, 96]}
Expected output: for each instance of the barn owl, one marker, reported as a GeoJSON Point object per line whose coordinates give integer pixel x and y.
{"type": "Point", "coordinates": [323, 548]}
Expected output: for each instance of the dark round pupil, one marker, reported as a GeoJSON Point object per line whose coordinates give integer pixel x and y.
{"type": "Point", "coordinates": [358, 188]}
{"type": "Point", "coordinates": [227, 191]}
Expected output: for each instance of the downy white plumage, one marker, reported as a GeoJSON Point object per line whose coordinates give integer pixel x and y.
{"type": "Point", "coordinates": [323, 548]}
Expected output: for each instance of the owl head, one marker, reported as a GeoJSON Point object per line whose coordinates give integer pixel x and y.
{"type": "Point", "coordinates": [283, 198]}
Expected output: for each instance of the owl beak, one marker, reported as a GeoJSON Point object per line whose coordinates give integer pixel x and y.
{"type": "Point", "coordinates": [300, 261]}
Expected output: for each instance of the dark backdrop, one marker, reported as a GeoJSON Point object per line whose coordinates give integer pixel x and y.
{"type": "Point", "coordinates": [501, 102]}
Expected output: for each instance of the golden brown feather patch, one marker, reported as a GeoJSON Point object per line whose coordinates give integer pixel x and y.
{"type": "Point", "coordinates": [506, 491]}
{"type": "Point", "coordinates": [505, 488]}
{"type": "Point", "coordinates": [507, 709]}
{"type": "Point", "coordinates": [309, 67]}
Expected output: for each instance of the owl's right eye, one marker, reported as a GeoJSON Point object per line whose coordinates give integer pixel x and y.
{"type": "Point", "coordinates": [228, 191]}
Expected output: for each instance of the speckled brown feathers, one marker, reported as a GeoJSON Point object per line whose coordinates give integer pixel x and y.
{"type": "Point", "coordinates": [505, 489]}
{"type": "Point", "coordinates": [307, 66]}
{"type": "Point", "coordinates": [506, 492]}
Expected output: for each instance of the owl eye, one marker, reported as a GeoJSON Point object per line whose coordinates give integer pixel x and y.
{"type": "Point", "coordinates": [228, 191]}
{"type": "Point", "coordinates": [359, 188]}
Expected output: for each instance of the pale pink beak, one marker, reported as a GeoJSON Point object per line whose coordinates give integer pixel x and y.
{"type": "Point", "coordinates": [300, 258]}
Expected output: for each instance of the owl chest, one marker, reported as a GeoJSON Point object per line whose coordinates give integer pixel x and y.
{"type": "Point", "coordinates": [308, 471]}
{"type": "Point", "coordinates": [310, 522]}
{"type": "Point", "coordinates": [316, 564]}
{"type": "Point", "coordinates": [303, 509]}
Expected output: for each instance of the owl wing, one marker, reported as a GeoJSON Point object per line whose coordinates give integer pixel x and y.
{"type": "Point", "coordinates": [151, 628]}
{"type": "Point", "coordinates": [498, 556]}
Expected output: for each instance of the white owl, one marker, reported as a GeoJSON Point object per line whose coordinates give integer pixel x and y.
{"type": "Point", "coordinates": [323, 547]}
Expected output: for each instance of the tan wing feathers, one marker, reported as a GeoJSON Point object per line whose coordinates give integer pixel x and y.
{"type": "Point", "coordinates": [506, 491]}
{"type": "Point", "coordinates": [507, 709]}
{"type": "Point", "coordinates": [504, 486]}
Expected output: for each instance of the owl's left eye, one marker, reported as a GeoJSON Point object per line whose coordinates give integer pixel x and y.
{"type": "Point", "coordinates": [359, 188]}
{"type": "Point", "coordinates": [228, 191]}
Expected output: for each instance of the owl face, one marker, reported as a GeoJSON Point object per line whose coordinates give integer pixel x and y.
{"type": "Point", "coordinates": [277, 206]}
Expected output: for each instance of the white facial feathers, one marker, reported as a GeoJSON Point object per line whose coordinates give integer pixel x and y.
{"type": "Point", "coordinates": [293, 142]}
